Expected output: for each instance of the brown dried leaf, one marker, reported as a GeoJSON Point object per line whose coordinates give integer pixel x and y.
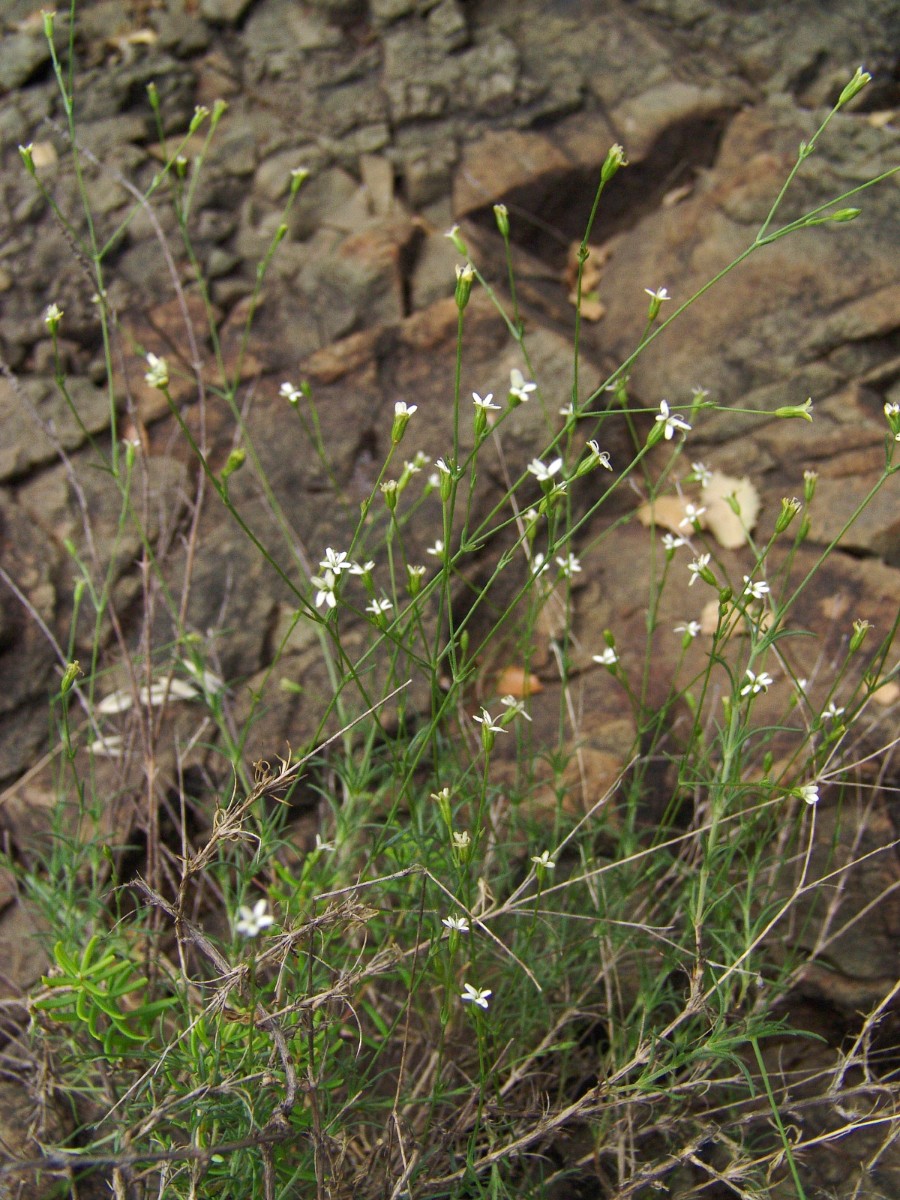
{"type": "Point", "coordinates": [727, 527]}
{"type": "Point", "coordinates": [668, 512]}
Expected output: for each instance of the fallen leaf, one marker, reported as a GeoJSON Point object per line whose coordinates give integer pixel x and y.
{"type": "Point", "coordinates": [669, 512]}
{"type": "Point", "coordinates": [730, 529]}
{"type": "Point", "coordinates": [517, 682]}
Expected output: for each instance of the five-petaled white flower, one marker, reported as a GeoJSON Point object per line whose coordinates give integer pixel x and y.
{"type": "Point", "coordinates": [485, 719]}
{"type": "Point", "coordinates": [692, 514]}
{"type": "Point", "coordinates": [660, 294]}
{"type": "Point", "coordinates": [756, 683]}
{"type": "Point", "coordinates": [252, 921]}
{"type": "Point", "coordinates": [378, 608]}
{"type": "Point", "coordinates": [361, 568]}
{"type": "Point", "coordinates": [697, 567]}
{"type": "Point", "coordinates": [757, 588]}
{"type": "Point", "coordinates": [670, 542]}
{"type": "Point", "coordinates": [325, 589]}
{"type": "Point", "coordinates": [456, 924]}
{"type": "Point", "coordinates": [334, 561]}
{"type": "Point", "coordinates": [608, 658]}
{"type": "Point", "coordinates": [437, 550]}
{"type": "Point", "coordinates": [290, 393]}
{"type": "Point", "coordinates": [518, 387]}
{"type": "Point", "coordinates": [543, 861]}
{"type": "Point", "coordinates": [671, 421]}
{"type": "Point", "coordinates": [832, 712]}
{"type": "Point", "coordinates": [568, 566]}
{"type": "Point", "coordinates": [461, 839]}
{"type": "Point", "coordinates": [810, 793]}
{"type": "Point", "coordinates": [514, 707]}
{"type": "Point", "coordinates": [544, 472]}
{"type": "Point", "coordinates": [539, 564]}
{"type": "Point", "coordinates": [485, 402]}
{"type": "Point", "coordinates": [702, 473]}
{"type": "Point", "coordinates": [402, 409]}
{"type": "Point", "coordinates": [479, 996]}
{"type": "Point", "coordinates": [692, 629]}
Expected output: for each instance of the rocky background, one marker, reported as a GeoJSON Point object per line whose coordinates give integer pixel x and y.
{"type": "Point", "coordinates": [412, 116]}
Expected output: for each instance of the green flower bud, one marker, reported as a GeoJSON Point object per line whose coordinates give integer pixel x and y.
{"type": "Point", "coordinates": [615, 158]}
{"type": "Point", "coordinates": [71, 673]}
{"type": "Point", "coordinates": [465, 277]}
{"type": "Point", "coordinates": [235, 461]}
{"type": "Point", "coordinates": [810, 479]}
{"type": "Point", "coordinates": [501, 216]}
{"type": "Point", "coordinates": [456, 238]}
{"type": "Point", "coordinates": [860, 629]}
{"type": "Point", "coordinates": [389, 491]}
{"type": "Point", "coordinates": [299, 176]}
{"type": "Point", "coordinates": [856, 85]}
{"type": "Point", "coordinates": [803, 410]}
{"type": "Point", "coordinates": [789, 510]}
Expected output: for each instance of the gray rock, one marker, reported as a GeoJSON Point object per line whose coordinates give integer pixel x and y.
{"type": "Point", "coordinates": [21, 56]}
{"type": "Point", "coordinates": [223, 12]}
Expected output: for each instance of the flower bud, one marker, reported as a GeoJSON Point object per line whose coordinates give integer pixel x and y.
{"type": "Point", "coordinates": [860, 629]}
{"type": "Point", "coordinates": [465, 277]}
{"type": "Point", "coordinates": [856, 85]}
{"type": "Point", "coordinates": [71, 673]}
{"type": "Point", "coordinates": [299, 176]}
{"type": "Point", "coordinates": [25, 153]}
{"type": "Point", "coordinates": [234, 462]}
{"type": "Point", "coordinates": [810, 479]}
{"type": "Point", "coordinates": [803, 410]}
{"type": "Point", "coordinates": [501, 216]}
{"type": "Point", "coordinates": [201, 112]}
{"type": "Point", "coordinates": [615, 158]}
{"type": "Point", "coordinates": [789, 510]}
{"type": "Point", "coordinates": [389, 491]}
{"type": "Point", "coordinates": [458, 244]}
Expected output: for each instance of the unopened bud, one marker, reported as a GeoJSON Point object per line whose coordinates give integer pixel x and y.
{"type": "Point", "coordinates": [789, 510]}
{"type": "Point", "coordinates": [856, 85]}
{"type": "Point", "coordinates": [465, 277]}
{"type": "Point", "coordinates": [615, 158]}
{"type": "Point", "coordinates": [501, 216]}
{"type": "Point", "coordinates": [860, 629]}
{"type": "Point", "coordinates": [803, 410]}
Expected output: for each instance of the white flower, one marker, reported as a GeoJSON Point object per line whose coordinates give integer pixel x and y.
{"type": "Point", "coordinates": [402, 409]}
{"type": "Point", "coordinates": [702, 472]}
{"type": "Point", "coordinates": [671, 421]}
{"type": "Point", "coordinates": [323, 847]}
{"type": "Point", "coordinates": [697, 567]}
{"type": "Point", "coordinates": [488, 722]}
{"type": "Point", "coordinates": [325, 593]}
{"type": "Point", "coordinates": [437, 550]}
{"type": "Point", "coordinates": [518, 387]}
{"type": "Point", "coordinates": [567, 410]}
{"type": "Point", "coordinates": [755, 588]}
{"type": "Point", "coordinates": [672, 543]}
{"type": "Point", "coordinates": [890, 410]}
{"type": "Point", "coordinates": [691, 514]}
{"type": "Point", "coordinates": [832, 712]}
{"type": "Point", "coordinates": [692, 629]}
{"type": "Point", "coordinates": [378, 608]}
{"type": "Point", "coordinates": [290, 393]}
{"type": "Point", "coordinates": [515, 708]}
{"type": "Point", "coordinates": [543, 861]}
{"type": "Point", "coordinates": [539, 565]}
{"type": "Point", "coordinates": [252, 921]}
{"type": "Point", "coordinates": [598, 457]}
{"type": "Point", "coordinates": [158, 374]}
{"type": "Point", "coordinates": [442, 467]}
{"type": "Point", "coordinates": [544, 472]}
{"type": "Point", "coordinates": [485, 403]}
{"type": "Point", "coordinates": [477, 996]}
{"type": "Point", "coordinates": [334, 561]}
{"type": "Point", "coordinates": [361, 568]}
{"type": "Point", "coordinates": [608, 658]}
{"type": "Point", "coordinates": [810, 793]}
{"type": "Point", "coordinates": [53, 315]}
{"type": "Point", "coordinates": [660, 294]}
{"type": "Point", "coordinates": [756, 683]}
{"type": "Point", "coordinates": [458, 924]}
{"type": "Point", "coordinates": [568, 566]}
{"type": "Point", "coordinates": [461, 840]}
